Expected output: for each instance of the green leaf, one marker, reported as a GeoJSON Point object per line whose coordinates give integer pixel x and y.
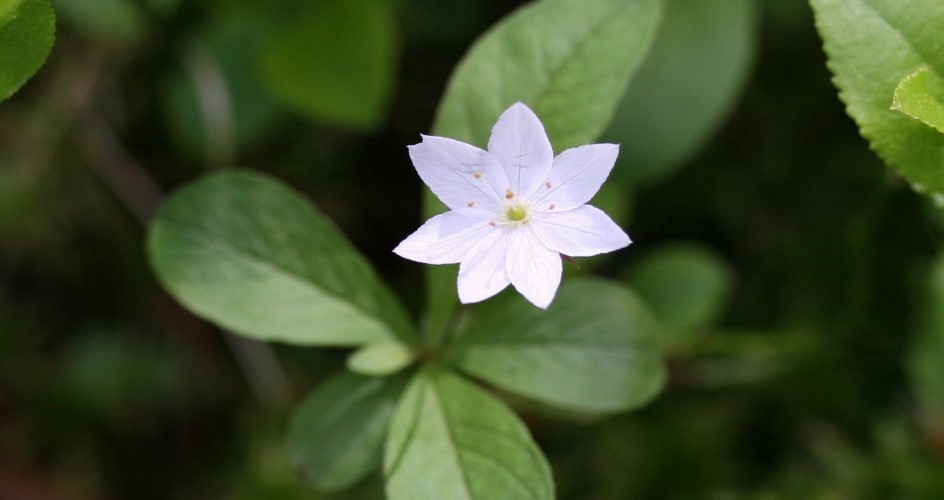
{"type": "Point", "coordinates": [27, 32]}
{"type": "Point", "coordinates": [337, 434]}
{"type": "Point", "coordinates": [336, 62]}
{"type": "Point", "coordinates": [381, 359]}
{"type": "Point", "coordinates": [596, 349]}
{"type": "Point", "coordinates": [927, 350]}
{"type": "Point", "coordinates": [685, 88]}
{"type": "Point", "coordinates": [872, 46]}
{"type": "Point", "coordinates": [450, 439]}
{"type": "Point", "coordinates": [913, 98]}
{"type": "Point", "coordinates": [110, 20]}
{"type": "Point", "coordinates": [687, 287]}
{"type": "Point", "coordinates": [246, 252]}
{"type": "Point", "coordinates": [569, 60]}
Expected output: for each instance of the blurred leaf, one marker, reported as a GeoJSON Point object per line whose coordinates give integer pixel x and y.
{"type": "Point", "coordinates": [913, 98]}
{"type": "Point", "coordinates": [687, 287]}
{"type": "Point", "coordinates": [450, 439]}
{"type": "Point", "coordinates": [111, 20]}
{"type": "Point", "coordinates": [336, 435]}
{"type": "Point", "coordinates": [595, 349]}
{"type": "Point", "coordinates": [246, 252]}
{"type": "Point", "coordinates": [216, 106]}
{"type": "Point", "coordinates": [381, 358]}
{"type": "Point", "coordinates": [686, 87]}
{"type": "Point", "coordinates": [336, 62]}
{"type": "Point", "coordinates": [569, 60]}
{"type": "Point", "coordinates": [27, 32]}
{"type": "Point", "coordinates": [926, 358]}
{"type": "Point", "coordinates": [872, 46]}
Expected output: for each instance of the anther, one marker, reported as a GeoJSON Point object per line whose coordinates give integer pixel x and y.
{"type": "Point", "coordinates": [471, 204]}
{"type": "Point", "coordinates": [509, 194]}
{"type": "Point", "coordinates": [492, 223]}
{"type": "Point", "coordinates": [548, 184]}
{"type": "Point", "coordinates": [478, 175]}
{"type": "Point", "coordinates": [551, 207]}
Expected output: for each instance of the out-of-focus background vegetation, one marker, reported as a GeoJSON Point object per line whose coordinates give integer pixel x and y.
{"type": "Point", "coordinates": [815, 370]}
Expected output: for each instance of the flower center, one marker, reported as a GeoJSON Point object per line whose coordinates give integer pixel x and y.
{"type": "Point", "coordinates": [517, 213]}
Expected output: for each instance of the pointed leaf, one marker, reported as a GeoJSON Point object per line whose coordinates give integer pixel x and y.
{"type": "Point", "coordinates": [27, 32]}
{"type": "Point", "coordinates": [569, 60]}
{"type": "Point", "coordinates": [450, 439]}
{"type": "Point", "coordinates": [872, 46]}
{"type": "Point", "coordinates": [595, 349]}
{"type": "Point", "coordinates": [246, 252]}
{"type": "Point", "coordinates": [336, 435]}
{"type": "Point", "coordinates": [913, 98]}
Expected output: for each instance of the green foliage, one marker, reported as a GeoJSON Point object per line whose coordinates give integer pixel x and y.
{"type": "Point", "coordinates": [569, 60]}
{"type": "Point", "coordinates": [687, 287]}
{"type": "Point", "coordinates": [594, 331]}
{"type": "Point", "coordinates": [27, 32]}
{"type": "Point", "coordinates": [381, 358]}
{"type": "Point", "coordinates": [926, 357]}
{"type": "Point", "coordinates": [450, 439]}
{"type": "Point", "coordinates": [110, 20]}
{"type": "Point", "coordinates": [336, 62]}
{"type": "Point", "coordinates": [686, 86]}
{"type": "Point", "coordinates": [913, 97]}
{"type": "Point", "coordinates": [336, 436]}
{"type": "Point", "coordinates": [872, 46]}
{"type": "Point", "coordinates": [249, 254]}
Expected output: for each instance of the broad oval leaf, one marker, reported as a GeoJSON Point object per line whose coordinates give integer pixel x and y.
{"type": "Point", "coordinates": [248, 253]}
{"type": "Point", "coordinates": [872, 46]}
{"type": "Point", "coordinates": [596, 349]}
{"type": "Point", "coordinates": [686, 286]}
{"type": "Point", "coordinates": [450, 439]}
{"type": "Point", "coordinates": [336, 62]}
{"type": "Point", "coordinates": [913, 98]}
{"type": "Point", "coordinates": [569, 60]}
{"type": "Point", "coordinates": [686, 86]}
{"type": "Point", "coordinates": [27, 33]}
{"type": "Point", "coordinates": [337, 434]}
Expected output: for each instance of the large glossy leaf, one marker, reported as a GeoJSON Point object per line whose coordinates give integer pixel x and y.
{"type": "Point", "coordinates": [450, 439]}
{"type": "Point", "coordinates": [248, 253]}
{"type": "Point", "coordinates": [27, 32]}
{"type": "Point", "coordinates": [336, 435]}
{"type": "Point", "coordinates": [685, 88]}
{"type": "Point", "coordinates": [336, 62]}
{"type": "Point", "coordinates": [686, 286]}
{"type": "Point", "coordinates": [872, 46]}
{"type": "Point", "coordinates": [595, 349]}
{"type": "Point", "coordinates": [569, 60]}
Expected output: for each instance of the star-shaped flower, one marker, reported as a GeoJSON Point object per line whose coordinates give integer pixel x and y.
{"type": "Point", "coordinates": [514, 209]}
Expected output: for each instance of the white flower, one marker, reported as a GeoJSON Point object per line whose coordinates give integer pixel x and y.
{"type": "Point", "coordinates": [514, 209]}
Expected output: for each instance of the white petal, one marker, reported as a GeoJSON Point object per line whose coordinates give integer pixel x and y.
{"type": "Point", "coordinates": [581, 232]}
{"type": "Point", "coordinates": [459, 174]}
{"type": "Point", "coordinates": [519, 141]}
{"type": "Point", "coordinates": [534, 269]}
{"type": "Point", "coordinates": [446, 238]}
{"type": "Point", "coordinates": [576, 176]}
{"type": "Point", "coordinates": [482, 272]}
